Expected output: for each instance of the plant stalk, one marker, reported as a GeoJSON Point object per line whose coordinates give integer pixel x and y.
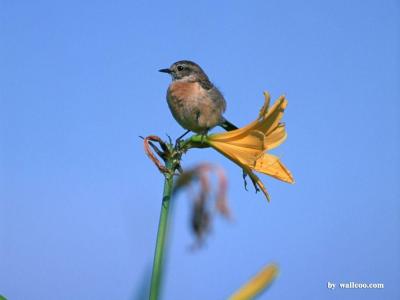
{"type": "Point", "coordinates": [158, 264]}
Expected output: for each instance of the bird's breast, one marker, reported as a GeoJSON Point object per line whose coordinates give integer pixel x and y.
{"type": "Point", "coordinates": [185, 90]}
{"type": "Point", "coordinates": [192, 106]}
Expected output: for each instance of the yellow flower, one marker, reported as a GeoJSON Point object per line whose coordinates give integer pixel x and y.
{"type": "Point", "coordinates": [257, 284]}
{"type": "Point", "coordinates": [247, 146]}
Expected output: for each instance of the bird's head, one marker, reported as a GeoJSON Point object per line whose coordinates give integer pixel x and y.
{"type": "Point", "coordinates": [185, 70]}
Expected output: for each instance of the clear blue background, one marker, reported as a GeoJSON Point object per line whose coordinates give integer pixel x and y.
{"type": "Point", "coordinates": [79, 200]}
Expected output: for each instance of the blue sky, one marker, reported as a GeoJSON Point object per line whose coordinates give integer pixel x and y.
{"type": "Point", "coordinates": [79, 200]}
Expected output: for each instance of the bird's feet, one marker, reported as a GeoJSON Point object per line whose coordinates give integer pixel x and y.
{"type": "Point", "coordinates": [204, 135]}
{"type": "Point", "coordinates": [178, 144]}
{"type": "Point", "coordinates": [179, 139]}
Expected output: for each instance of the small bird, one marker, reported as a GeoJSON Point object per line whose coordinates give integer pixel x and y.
{"type": "Point", "coordinates": [196, 104]}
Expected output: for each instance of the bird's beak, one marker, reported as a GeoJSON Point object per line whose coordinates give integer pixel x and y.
{"type": "Point", "coordinates": [165, 71]}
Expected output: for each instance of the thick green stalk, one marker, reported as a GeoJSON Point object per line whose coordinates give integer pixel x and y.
{"type": "Point", "coordinates": [156, 278]}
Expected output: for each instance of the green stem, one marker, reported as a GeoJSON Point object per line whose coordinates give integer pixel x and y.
{"type": "Point", "coordinates": [195, 141]}
{"type": "Point", "coordinates": [156, 278]}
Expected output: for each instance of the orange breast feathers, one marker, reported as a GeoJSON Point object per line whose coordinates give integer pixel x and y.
{"type": "Point", "coordinates": [185, 90]}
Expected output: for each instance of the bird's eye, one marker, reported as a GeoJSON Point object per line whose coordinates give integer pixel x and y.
{"type": "Point", "coordinates": [179, 68]}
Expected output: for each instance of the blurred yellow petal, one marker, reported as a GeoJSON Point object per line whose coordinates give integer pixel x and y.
{"type": "Point", "coordinates": [257, 284]}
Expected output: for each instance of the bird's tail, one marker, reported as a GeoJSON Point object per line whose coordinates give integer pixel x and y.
{"type": "Point", "coordinates": [228, 126]}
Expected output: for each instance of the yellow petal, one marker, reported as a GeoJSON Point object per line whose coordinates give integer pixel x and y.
{"type": "Point", "coordinates": [257, 284]}
{"type": "Point", "coordinates": [239, 155]}
{"type": "Point", "coordinates": [245, 161]}
{"type": "Point", "coordinates": [265, 124]}
{"type": "Point", "coordinates": [264, 109]}
{"type": "Point", "coordinates": [252, 138]}
{"type": "Point", "coordinates": [247, 149]}
{"type": "Point", "coordinates": [275, 137]}
{"type": "Point", "coordinates": [257, 181]}
{"type": "Point", "coordinates": [250, 126]}
{"type": "Point", "coordinates": [275, 114]}
{"type": "Point", "coordinates": [247, 146]}
{"type": "Point", "coordinates": [271, 165]}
